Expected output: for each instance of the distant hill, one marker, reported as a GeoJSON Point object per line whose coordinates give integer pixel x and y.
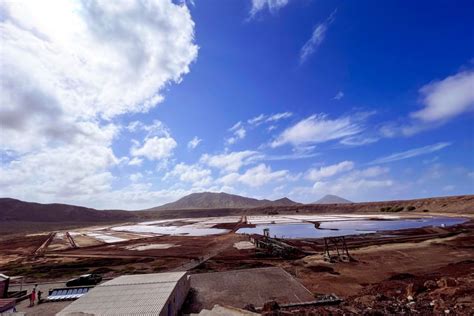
{"type": "Point", "coordinates": [211, 200]}
{"type": "Point", "coordinates": [332, 199]}
{"type": "Point", "coordinates": [20, 211]}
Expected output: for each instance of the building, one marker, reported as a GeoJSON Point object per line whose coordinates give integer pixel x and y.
{"type": "Point", "coordinates": [141, 294]}
{"type": "Point", "coordinates": [4, 282]}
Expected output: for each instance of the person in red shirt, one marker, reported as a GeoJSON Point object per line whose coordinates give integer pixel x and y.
{"type": "Point", "coordinates": [33, 297]}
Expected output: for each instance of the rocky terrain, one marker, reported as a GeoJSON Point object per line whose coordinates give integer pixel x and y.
{"type": "Point", "coordinates": [331, 199]}
{"type": "Point", "coordinates": [210, 200]}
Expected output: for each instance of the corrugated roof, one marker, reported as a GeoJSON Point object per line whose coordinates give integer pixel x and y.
{"type": "Point", "coordinates": [146, 278]}
{"type": "Point", "coordinates": [144, 294]}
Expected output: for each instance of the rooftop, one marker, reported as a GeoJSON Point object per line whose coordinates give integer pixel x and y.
{"type": "Point", "coordinates": [144, 294]}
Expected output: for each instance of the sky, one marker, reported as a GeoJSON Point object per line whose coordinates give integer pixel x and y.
{"type": "Point", "coordinates": [132, 104]}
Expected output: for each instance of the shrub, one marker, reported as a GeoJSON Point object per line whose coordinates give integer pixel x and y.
{"type": "Point", "coordinates": [411, 208]}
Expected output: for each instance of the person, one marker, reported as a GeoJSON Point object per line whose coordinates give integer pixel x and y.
{"type": "Point", "coordinates": [39, 297]}
{"type": "Point", "coordinates": [32, 297]}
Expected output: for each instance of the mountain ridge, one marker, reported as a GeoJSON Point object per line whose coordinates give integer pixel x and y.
{"type": "Point", "coordinates": [332, 199]}
{"type": "Point", "coordinates": [214, 200]}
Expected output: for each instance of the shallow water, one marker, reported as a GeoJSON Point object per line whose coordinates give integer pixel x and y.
{"type": "Point", "coordinates": [347, 227]}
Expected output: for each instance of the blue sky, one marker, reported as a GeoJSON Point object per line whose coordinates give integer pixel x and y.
{"type": "Point", "coordinates": [134, 105]}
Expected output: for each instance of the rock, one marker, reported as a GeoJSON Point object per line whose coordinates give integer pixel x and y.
{"type": "Point", "coordinates": [380, 297]}
{"type": "Point", "coordinates": [446, 282]}
{"type": "Point", "coordinates": [250, 307]}
{"type": "Point", "coordinates": [410, 291]}
{"type": "Point", "coordinates": [430, 285]}
{"type": "Point", "coordinates": [366, 300]}
{"type": "Point", "coordinates": [270, 306]}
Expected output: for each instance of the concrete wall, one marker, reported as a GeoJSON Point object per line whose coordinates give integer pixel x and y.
{"type": "Point", "coordinates": [177, 297]}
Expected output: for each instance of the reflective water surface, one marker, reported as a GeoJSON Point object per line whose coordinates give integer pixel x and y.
{"type": "Point", "coordinates": [348, 227]}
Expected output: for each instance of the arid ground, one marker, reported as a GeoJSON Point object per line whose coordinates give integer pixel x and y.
{"type": "Point", "coordinates": [426, 270]}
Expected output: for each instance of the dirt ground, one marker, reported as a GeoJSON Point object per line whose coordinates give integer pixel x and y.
{"type": "Point", "coordinates": [389, 274]}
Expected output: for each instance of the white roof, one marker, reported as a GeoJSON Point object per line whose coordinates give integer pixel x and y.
{"type": "Point", "coordinates": [142, 294]}
{"type": "Point", "coordinates": [3, 277]}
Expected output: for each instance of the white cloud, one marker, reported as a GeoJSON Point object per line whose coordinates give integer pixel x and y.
{"type": "Point", "coordinates": [273, 118]}
{"type": "Point", "coordinates": [271, 5]}
{"type": "Point", "coordinates": [193, 174]}
{"type": "Point", "coordinates": [62, 173]}
{"type": "Point", "coordinates": [329, 171]}
{"type": "Point", "coordinates": [156, 128]}
{"type": "Point", "coordinates": [193, 143]}
{"type": "Point", "coordinates": [411, 153]}
{"type": "Point", "coordinates": [257, 119]}
{"type": "Point", "coordinates": [365, 184]}
{"type": "Point", "coordinates": [319, 33]}
{"type": "Point", "coordinates": [339, 95]}
{"type": "Point", "coordinates": [255, 176]}
{"type": "Point", "coordinates": [318, 129]}
{"type": "Point", "coordinates": [447, 98]}
{"type": "Point", "coordinates": [155, 148]}
{"type": "Point", "coordinates": [279, 116]}
{"type": "Point", "coordinates": [239, 133]}
{"type": "Point", "coordinates": [230, 162]}
{"type": "Point", "coordinates": [135, 177]}
{"type": "Point", "coordinates": [135, 161]}
{"type": "Point", "coordinates": [73, 70]}
{"type": "Point", "coordinates": [442, 101]}
{"type": "Point", "coordinates": [359, 140]}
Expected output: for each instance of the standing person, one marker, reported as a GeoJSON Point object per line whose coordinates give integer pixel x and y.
{"type": "Point", "coordinates": [32, 297]}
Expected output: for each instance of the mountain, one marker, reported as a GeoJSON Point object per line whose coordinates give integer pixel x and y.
{"type": "Point", "coordinates": [20, 211]}
{"type": "Point", "coordinates": [210, 200]}
{"type": "Point", "coordinates": [332, 199]}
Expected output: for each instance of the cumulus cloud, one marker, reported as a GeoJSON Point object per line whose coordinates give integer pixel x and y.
{"type": "Point", "coordinates": [317, 37]}
{"type": "Point", "coordinates": [193, 143]}
{"type": "Point", "coordinates": [193, 174]}
{"type": "Point", "coordinates": [272, 6]}
{"type": "Point", "coordinates": [154, 148]}
{"type": "Point", "coordinates": [68, 72]}
{"type": "Point", "coordinates": [442, 101]}
{"type": "Point", "coordinates": [255, 176]}
{"type": "Point", "coordinates": [134, 177]}
{"type": "Point", "coordinates": [354, 184]}
{"type": "Point", "coordinates": [315, 174]}
{"type": "Point", "coordinates": [447, 98]}
{"type": "Point", "coordinates": [320, 128]}
{"type": "Point", "coordinates": [411, 153]}
{"type": "Point", "coordinates": [63, 173]}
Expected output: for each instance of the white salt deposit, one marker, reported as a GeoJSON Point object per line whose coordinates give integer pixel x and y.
{"type": "Point", "coordinates": [106, 238]}
{"type": "Point", "coordinates": [244, 245]}
{"type": "Point", "coordinates": [150, 247]}
{"type": "Point", "coordinates": [187, 230]}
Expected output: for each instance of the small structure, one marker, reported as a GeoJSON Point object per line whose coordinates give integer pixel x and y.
{"type": "Point", "coordinates": [141, 294]}
{"type": "Point", "coordinates": [7, 305]}
{"type": "Point", "coordinates": [4, 282]}
{"type": "Point", "coordinates": [67, 293]}
{"type": "Point", "coordinates": [274, 246]}
{"type": "Point", "coordinates": [342, 252]}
